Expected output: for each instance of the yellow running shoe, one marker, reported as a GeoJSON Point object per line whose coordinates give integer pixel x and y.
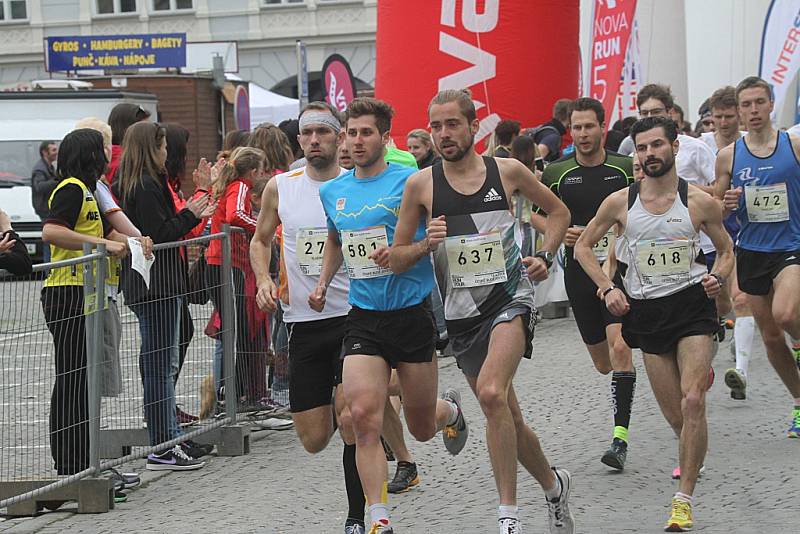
{"type": "Point", "coordinates": [681, 518]}
{"type": "Point", "coordinates": [796, 352]}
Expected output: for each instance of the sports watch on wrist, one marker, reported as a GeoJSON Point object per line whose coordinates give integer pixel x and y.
{"type": "Point", "coordinates": [546, 256]}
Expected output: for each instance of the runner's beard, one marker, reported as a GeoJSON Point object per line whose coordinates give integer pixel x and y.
{"type": "Point", "coordinates": [320, 162]}
{"type": "Point", "coordinates": [458, 156]}
{"type": "Point", "coordinates": [665, 167]}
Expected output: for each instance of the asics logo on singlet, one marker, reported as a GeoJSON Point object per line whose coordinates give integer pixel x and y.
{"type": "Point", "coordinates": [746, 175]}
{"type": "Point", "coordinates": [492, 195]}
{"type": "Point", "coordinates": [674, 220]}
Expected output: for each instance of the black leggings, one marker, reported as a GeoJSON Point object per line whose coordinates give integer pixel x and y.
{"type": "Point", "coordinates": [69, 410]}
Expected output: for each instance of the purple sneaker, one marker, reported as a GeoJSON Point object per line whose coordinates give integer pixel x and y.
{"type": "Point", "coordinates": [173, 459]}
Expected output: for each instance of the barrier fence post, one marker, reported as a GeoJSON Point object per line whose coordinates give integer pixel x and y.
{"type": "Point", "coordinates": [228, 326]}
{"type": "Point", "coordinates": [94, 355]}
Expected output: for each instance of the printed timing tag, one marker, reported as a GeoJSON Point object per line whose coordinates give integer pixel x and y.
{"type": "Point", "coordinates": [310, 247]}
{"type": "Point", "coordinates": [767, 203]}
{"type": "Point", "coordinates": [476, 260]}
{"type": "Point", "coordinates": [602, 247]}
{"type": "Point", "coordinates": [357, 245]}
{"type": "Point", "coordinates": [660, 260]}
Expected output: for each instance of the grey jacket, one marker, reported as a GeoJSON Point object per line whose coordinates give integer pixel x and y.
{"type": "Point", "coordinates": [43, 182]}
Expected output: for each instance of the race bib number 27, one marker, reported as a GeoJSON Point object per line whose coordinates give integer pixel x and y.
{"type": "Point", "coordinates": [310, 248]}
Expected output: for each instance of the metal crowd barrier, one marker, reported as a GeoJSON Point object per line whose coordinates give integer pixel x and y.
{"type": "Point", "coordinates": [98, 401]}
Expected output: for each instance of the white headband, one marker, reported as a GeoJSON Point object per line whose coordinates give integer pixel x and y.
{"type": "Point", "coordinates": [320, 117]}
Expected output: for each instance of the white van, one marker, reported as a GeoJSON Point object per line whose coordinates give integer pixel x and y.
{"type": "Point", "coordinates": [30, 117]}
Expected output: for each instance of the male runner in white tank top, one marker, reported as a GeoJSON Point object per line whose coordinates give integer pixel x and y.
{"type": "Point", "coordinates": [487, 293]}
{"type": "Point", "coordinates": [315, 339]}
{"type": "Point", "coordinates": [667, 300]}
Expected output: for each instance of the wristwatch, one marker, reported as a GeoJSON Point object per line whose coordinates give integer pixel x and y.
{"type": "Point", "coordinates": [719, 277]}
{"type": "Point", "coordinates": [546, 256]}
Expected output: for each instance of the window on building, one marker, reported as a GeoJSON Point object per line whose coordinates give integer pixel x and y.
{"type": "Point", "coordinates": [172, 5]}
{"type": "Point", "coordinates": [276, 2]}
{"type": "Point", "coordinates": [112, 7]}
{"type": "Point", "coordinates": [13, 10]}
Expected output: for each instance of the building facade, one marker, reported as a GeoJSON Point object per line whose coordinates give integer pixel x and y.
{"type": "Point", "coordinates": [266, 31]}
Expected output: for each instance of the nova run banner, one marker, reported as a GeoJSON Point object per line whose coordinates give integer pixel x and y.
{"type": "Point", "coordinates": [516, 56]}
{"type": "Point", "coordinates": [611, 31]}
{"type": "Point", "coordinates": [631, 80]}
{"type": "Point", "coordinates": [780, 48]}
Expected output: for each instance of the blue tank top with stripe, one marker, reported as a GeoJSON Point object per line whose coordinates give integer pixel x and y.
{"type": "Point", "coordinates": [779, 167]}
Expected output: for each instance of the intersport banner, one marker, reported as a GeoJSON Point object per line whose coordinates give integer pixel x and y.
{"type": "Point", "coordinates": [611, 31]}
{"type": "Point", "coordinates": [780, 47]}
{"type": "Point", "coordinates": [516, 56]}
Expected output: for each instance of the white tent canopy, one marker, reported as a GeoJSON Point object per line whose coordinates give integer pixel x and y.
{"type": "Point", "coordinates": [266, 106]}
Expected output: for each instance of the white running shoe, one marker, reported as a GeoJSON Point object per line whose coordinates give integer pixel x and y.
{"type": "Point", "coordinates": [510, 525]}
{"type": "Point", "coordinates": [561, 520]}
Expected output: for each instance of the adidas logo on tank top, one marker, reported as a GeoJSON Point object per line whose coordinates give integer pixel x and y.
{"type": "Point", "coordinates": [492, 195]}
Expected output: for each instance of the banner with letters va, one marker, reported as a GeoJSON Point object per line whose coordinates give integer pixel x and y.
{"type": "Point", "coordinates": [611, 30]}
{"type": "Point", "coordinates": [340, 85]}
{"type": "Point", "coordinates": [516, 56]}
{"type": "Point", "coordinates": [780, 47]}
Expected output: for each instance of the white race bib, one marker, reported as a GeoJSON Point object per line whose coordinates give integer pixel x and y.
{"type": "Point", "coordinates": [660, 260]}
{"type": "Point", "coordinates": [357, 245]}
{"type": "Point", "coordinates": [476, 260]}
{"type": "Point", "coordinates": [602, 247]}
{"type": "Point", "coordinates": [309, 249]}
{"type": "Point", "coordinates": [767, 203]}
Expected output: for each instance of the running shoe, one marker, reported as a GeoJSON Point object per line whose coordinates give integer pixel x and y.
{"type": "Point", "coordinates": [560, 518]}
{"type": "Point", "coordinates": [616, 454]}
{"type": "Point", "coordinates": [455, 435]}
{"type": "Point", "coordinates": [380, 528]}
{"type": "Point", "coordinates": [510, 525]}
{"type": "Point", "coordinates": [352, 526]}
{"type": "Point", "coordinates": [124, 480]}
{"type": "Point", "coordinates": [680, 520]}
{"type": "Point", "coordinates": [736, 380]}
{"type": "Point", "coordinates": [173, 459]}
{"type": "Point", "coordinates": [119, 497]}
{"type": "Point", "coordinates": [676, 473]}
{"type": "Point", "coordinates": [796, 352]}
{"type": "Point", "coordinates": [794, 430]}
{"type": "Point", "coordinates": [405, 478]}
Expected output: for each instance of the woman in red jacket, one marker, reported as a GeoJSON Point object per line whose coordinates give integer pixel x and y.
{"type": "Point", "coordinates": [232, 191]}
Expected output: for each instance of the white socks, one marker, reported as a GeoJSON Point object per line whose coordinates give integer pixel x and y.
{"type": "Point", "coordinates": [506, 511]}
{"type": "Point", "coordinates": [451, 420]}
{"type": "Point", "coordinates": [743, 333]}
{"type": "Point", "coordinates": [379, 513]}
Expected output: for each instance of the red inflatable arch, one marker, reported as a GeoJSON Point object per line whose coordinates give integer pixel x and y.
{"type": "Point", "coordinates": [517, 56]}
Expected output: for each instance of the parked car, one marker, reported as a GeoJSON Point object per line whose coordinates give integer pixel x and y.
{"type": "Point", "coordinates": [15, 200]}
{"type": "Point", "coordinates": [30, 117]}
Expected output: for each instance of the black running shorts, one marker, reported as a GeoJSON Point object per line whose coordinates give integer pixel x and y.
{"type": "Point", "coordinates": [656, 325]}
{"type": "Point", "coordinates": [315, 362]}
{"type": "Point", "coordinates": [757, 270]}
{"type": "Point", "coordinates": [591, 314]}
{"type": "Point", "coordinates": [407, 335]}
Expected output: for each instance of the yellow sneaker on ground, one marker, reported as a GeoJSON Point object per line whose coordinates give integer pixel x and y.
{"type": "Point", "coordinates": [796, 352]}
{"type": "Point", "coordinates": [681, 518]}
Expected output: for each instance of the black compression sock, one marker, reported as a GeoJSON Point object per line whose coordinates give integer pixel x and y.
{"type": "Point", "coordinates": [623, 386]}
{"type": "Point", "coordinates": [356, 501]}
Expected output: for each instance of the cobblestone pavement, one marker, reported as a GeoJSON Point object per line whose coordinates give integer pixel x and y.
{"type": "Point", "coordinates": [748, 486]}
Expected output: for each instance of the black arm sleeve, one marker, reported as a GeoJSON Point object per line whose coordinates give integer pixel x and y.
{"type": "Point", "coordinates": [66, 206]}
{"type": "Point", "coordinates": [157, 219]}
{"type": "Point", "coordinates": [16, 260]}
